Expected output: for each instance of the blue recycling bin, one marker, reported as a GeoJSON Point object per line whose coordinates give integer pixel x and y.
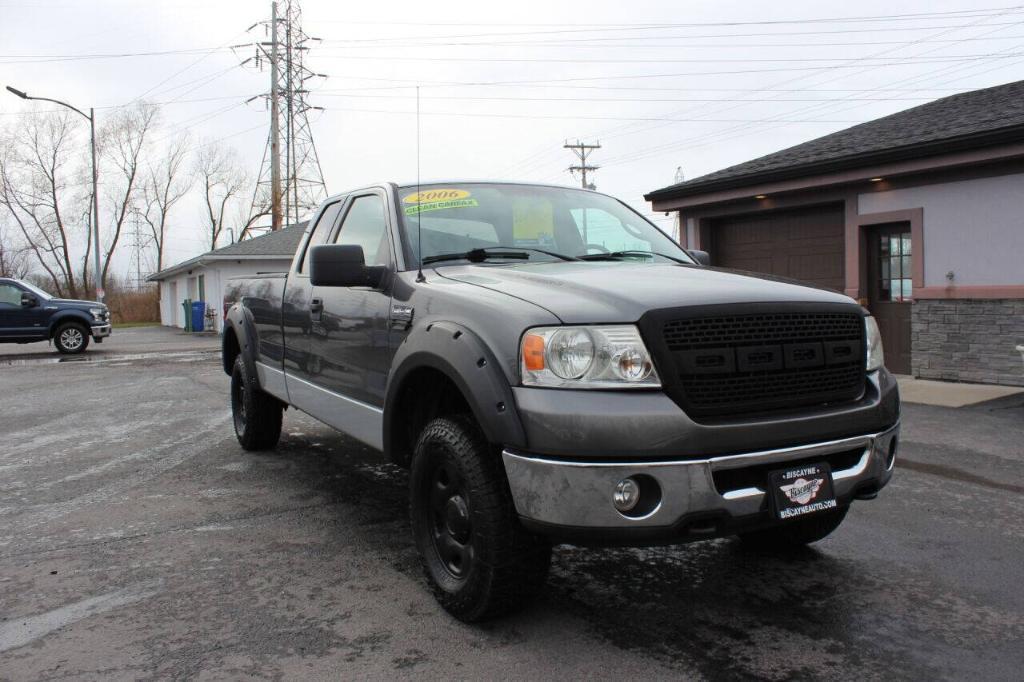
{"type": "Point", "coordinates": [198, 313]}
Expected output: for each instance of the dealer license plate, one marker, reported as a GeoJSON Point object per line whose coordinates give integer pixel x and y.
{"type": "Point", "coordinates": [802, 490]}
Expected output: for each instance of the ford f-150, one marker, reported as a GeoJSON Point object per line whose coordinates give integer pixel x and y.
{"type": "Point", "coordinates": [552, 367]}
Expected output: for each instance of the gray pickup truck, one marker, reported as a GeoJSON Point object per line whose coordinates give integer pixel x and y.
{"type": "Point", "coordinates": [553, 368]}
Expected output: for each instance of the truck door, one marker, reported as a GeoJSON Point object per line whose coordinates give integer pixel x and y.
{"type": "Point", "coordinates": [18, 321]}
{"type": "Point", "coordinates": [10, 306]}
{"type": "Point", "coordinates": [349, 351]}
{"type": "Point", "coordinates": [296, 319]}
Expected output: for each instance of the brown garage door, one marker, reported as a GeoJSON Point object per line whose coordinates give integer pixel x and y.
{"type": "Point", "coordinates": [804, 244]}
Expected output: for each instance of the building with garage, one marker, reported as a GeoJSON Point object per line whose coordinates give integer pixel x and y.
{"type": "Point", "coordinates": [204, 277]}
{"type": "Point", "coordinates": [918, 215]}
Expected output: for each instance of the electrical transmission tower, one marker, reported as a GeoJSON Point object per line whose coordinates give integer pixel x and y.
{"type": "Point", "coordinates": [138, 243]}
{"type": "Point", "coordinates": [582, 151]}
{"type": "Point", "coordinates": [290, 183]}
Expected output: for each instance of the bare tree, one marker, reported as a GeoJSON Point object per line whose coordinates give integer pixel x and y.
{"type": "Point", "coordinates": [163, 187]}
{"type": "Point", "coordinates": [39, 186]}
{"type": "Point", "coordinates": [223, 182]}
{"type": "Point", "coordinates": [123, 141]}
{"type": "Point", "coordinates": [14, 257]}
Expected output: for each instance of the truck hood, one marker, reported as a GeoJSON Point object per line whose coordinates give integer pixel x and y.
{"type": "Point", "coordinates": [602, 291]}
{"type": "Point", "coordinates": [74, 303]}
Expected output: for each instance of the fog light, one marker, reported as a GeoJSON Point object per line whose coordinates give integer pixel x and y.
{"type": "Point", "coordinates": [626, 495]}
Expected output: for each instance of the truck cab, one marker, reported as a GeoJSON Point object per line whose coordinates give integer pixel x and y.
{"type": "Point", "coordinates": [552, 367]}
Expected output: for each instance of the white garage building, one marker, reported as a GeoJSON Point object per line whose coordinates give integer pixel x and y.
{"type": "Point", "coordinates": [204, 277]}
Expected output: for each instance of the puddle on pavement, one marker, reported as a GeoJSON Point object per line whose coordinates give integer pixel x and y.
{"type": "Point", "coordinates": [94, 359]}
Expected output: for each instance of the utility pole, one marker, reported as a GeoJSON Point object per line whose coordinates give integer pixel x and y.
{"type": "Point", "coordinates": [100, 294]}
{"type": "Point", "coordinates": [677, 226]}
{"type": "Point", "coordinates": [290, 183]}
{"type": "Point", "coordinates": [582, 150]}
{"type": "Point", "coordinates": [275, 129]}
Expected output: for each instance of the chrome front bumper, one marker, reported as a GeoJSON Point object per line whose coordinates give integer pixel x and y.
{"type": "Point", "coordinates": [100, 331]}
{"type": "Point", "coordinates": [578, 494]}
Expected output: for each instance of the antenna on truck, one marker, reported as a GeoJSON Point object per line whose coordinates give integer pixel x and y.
{"type": "Point", "coordinates": [419, 213]}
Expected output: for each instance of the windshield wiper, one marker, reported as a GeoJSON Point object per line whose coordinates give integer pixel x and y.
{"type": "Point", "coordinates": [480, 255]}
{"type": "Point", "coordinates": [625, 254]}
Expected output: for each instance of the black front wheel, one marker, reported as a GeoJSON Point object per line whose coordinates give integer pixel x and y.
{"type": "Point", "coordinates": [257, 415]}
{"type": "Point", "coordinates": [480, 562]}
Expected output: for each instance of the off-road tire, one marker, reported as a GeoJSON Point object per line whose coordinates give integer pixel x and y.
{"type": "Point", "coordinates": [504, 566]}
{"type": "Point", "coordinates": [256, 415]}
{"type": "Point", "coordinates": [71, 338]}
{"type": "Point", "coordinates": [797, 532]}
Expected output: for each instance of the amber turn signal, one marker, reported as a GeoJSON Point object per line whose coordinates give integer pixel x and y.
{"type": "Point", "coordinates": [533, 352]}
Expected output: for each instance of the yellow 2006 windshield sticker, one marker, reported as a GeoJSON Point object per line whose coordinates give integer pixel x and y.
{"type": "Point", "coordinates": [438, 199]}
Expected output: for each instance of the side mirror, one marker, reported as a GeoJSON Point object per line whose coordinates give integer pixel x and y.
{"type": "Point", "coordinates": [28, 300]}
{"type": "Point", "coordinates": [702, 257]}
{"type": "Point", "coordinates": [343, 265]}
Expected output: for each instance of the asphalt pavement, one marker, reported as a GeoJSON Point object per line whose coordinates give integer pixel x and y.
{"type": "Point", "coordinates": [137, 540]}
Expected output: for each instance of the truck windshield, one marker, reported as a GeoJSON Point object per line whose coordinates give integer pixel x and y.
{"type": "Point", "coordinates": [36, 290]}
{"type": "Point", "coordinates": [457, 218]}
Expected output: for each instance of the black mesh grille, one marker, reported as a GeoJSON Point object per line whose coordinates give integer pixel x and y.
{"type": "Point", "coordinates": [760, 329]}
{"type": "Point", "coordinates": [740, 364]}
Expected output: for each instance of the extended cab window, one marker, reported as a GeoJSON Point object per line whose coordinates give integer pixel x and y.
{"type": "Point", "coordinates": [10, 294]}
{"type": "Point", "coordinates": [364, 225]}
{"type": "Point", "coordinates": [321, 231]}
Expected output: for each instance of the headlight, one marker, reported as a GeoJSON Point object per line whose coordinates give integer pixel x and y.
{"type": "Point", "coordinates": [98, 313]}
{"type": "Point", "coordinates": [876, 358]}
{"type": "Point", "coordinates": [586, 357]}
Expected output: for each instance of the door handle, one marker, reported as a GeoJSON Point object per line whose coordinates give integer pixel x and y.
{"type": "Point", "coordinates": [316, 308]}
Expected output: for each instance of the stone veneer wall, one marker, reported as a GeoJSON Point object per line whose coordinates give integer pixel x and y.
{"type": "Point", "coordinates": [968, 340]}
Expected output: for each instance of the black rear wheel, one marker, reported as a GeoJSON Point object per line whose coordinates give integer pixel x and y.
{"type": "Point", "coordinates": [478, 559]}
{"type": "Point", "coordinates": [257, 415]}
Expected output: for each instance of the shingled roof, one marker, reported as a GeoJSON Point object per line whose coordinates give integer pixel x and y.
{"type": "Point", "coordinates": [280, 243]}
{"type": "Point", "coordinates": [969, 120]}
{"type": "Point", "coordinates": [273, 245]}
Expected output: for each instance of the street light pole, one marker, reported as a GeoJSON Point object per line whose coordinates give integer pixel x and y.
{"type": "Point", "coordinates": [100, 293]}
{"type": "Point", "coordinates": [91, 116]}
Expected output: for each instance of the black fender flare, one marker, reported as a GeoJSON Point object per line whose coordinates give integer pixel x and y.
{"type": "Point", "coordinates": [240, 323]}
{"type": "Point", "coordinates": [62, 316]}
{"type": "Point", "coordinates": [463, 357]}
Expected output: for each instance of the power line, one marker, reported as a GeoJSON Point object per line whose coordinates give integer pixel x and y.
{"type": "Point", "coordinates": [734, 130]}
{"type": "Point", "coordinates": [571, 60]}
{"type": "Point", "coordinates": [42, 59]}
{"type": "Point", "coordinates": [389, 40]}
{"type": "Point", "coordinates": [854, 61]}
{"type": "Point", "coordinates": [514, 98]}
{"type": "Point", "coordinates": [581, 118]}
{"type": "Point", "coordinates": [626, 25]}
{"type": "Point", "coordinates": [649, 45]}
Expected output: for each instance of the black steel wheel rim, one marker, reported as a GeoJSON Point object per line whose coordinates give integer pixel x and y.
{"type": "Point", "coordinates": [450, 525]}
{"type": "Point", "coordinates": [238, 403]}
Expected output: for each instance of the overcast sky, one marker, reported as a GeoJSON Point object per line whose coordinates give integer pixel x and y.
{"type": "Point", "coordinates": [660, 84]}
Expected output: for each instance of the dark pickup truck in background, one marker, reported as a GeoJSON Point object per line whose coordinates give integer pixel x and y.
{"type": "Point", "coordinates": [552, 367]}
{"type": "Point", "coordinates": [28, 314]}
